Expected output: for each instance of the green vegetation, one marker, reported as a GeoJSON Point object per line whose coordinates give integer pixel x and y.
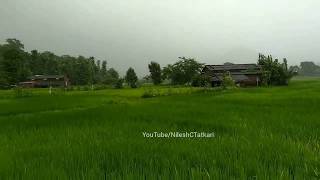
{"type": "Point", "coordinates": [228, 82]}
{"type": "Point", "coordinates": [261, 133]}
{"type": "Point", "coordinates": [155, 72]}
{"type": "Point", "coordinates": [274, 72]}
{"type": "Point", "coordinates": [183, 71]}
{"type": "Point", "coordinates": [131, 78]}
{"type": "Point", "coordinates": [17, 65]}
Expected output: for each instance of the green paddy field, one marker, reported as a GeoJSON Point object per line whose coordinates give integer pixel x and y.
{"type": "Point", "coordinates": [260, 133]}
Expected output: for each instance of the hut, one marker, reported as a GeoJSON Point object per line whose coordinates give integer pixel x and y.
{"type": "Point", "coordinates": [242, 74]}
{"type": "Point", "coordinates": [43, 81]}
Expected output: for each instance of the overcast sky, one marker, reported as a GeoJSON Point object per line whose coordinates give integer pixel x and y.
{"type": "Point", "coordinates": [134, 32]}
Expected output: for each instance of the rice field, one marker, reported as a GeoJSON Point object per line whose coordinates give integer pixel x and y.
{"type": "Point", "coordinates": [260, 133]}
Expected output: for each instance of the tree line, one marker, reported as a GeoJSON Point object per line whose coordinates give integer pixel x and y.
{"type": "Point", "coordinates": [16, 65]}
{"type": "Point", "coordinates": [307, 68]}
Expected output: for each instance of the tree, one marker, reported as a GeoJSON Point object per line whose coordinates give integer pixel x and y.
{"type": "Point", "coordinates": [104, 68]}
{"type": "Point", "coordinates": [50, 62]}
{"type": "Point", "coordinates": [15, 44]}
{"type": "Point", "coordinates": [35, 65]}
{"type": "Point", "coordinates": [103, 72]}
{"type": "Point", "coordinates": [131, 78]}
{"type": "Point", "coordinates": [16, 65]}
{"type": "Point", "coordinates": [82, 71]}
{"type": "Point", "coordinates": [183, 71]}
{"type": "Point", "coordinates": [92, 70]}
{"type": "Point", "coordinates": [13, 63]}
{"type": "Point", "coordinates": [274, 72]}
{"type": "Point", "coordinates": [155, 72]}
{"type": "Point", "coordinates": [119, 83]}
{"type": "Point", "coordinates": [294, 69]}
{"type": "Point", "coordinates": [309, 68]}
{"type": "Point", "coordinates": [112, 76]}
{"type": "Point", "coordinates": [167, 72]}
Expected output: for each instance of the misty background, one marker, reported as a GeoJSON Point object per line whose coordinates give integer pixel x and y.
{"type": "Point", "coordinates": [134, 32]}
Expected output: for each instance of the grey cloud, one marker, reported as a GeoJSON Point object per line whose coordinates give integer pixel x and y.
{"type": "Point", "coordinates": [134, 32]}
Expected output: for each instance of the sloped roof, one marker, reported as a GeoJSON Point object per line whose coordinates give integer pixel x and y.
{"type": "Point", "coordinates": [233, 67]}
{"type": "Point", "coordinates": [46, 77]}
{"type": "Point", "coordinates": [239, 77]}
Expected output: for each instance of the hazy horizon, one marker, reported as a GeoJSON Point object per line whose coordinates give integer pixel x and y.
{"type": "Point", "coordinates": [133, 33]}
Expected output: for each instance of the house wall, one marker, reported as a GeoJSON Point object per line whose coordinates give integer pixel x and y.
{"type": "Point", "coordinates": [49, 82]}
{"type": "Point", "coordinates": [252, 80]}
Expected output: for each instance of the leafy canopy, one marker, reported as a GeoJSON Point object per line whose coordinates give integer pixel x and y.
{"type": "Point", "coordinates": [183, 71]}
{"type": "Point", "coordinates": [155, 72]}
{"type": "Point", "coordinates": [131, 78]}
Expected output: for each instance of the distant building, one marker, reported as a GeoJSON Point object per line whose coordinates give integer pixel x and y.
{"type": "Point", "coordinates": [42, 81]}
{"type": "Point", "coordinates": [242, 74]}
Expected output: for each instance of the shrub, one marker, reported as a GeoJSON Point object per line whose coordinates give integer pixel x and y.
{"type": "Point", "coordinates": [274, 72]}
{"type": "Point", "coordinates": [119, 83]}
{"type": "Point", "coordinates": [149, 93]}
{"type": "Point", "coordinates": [200, 80]}
{"type": "Point", "coordinates": [169, 92]}
{"type": "Point", "coordinates": [227, 81]}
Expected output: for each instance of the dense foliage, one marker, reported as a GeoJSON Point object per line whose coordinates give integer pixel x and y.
{"type": "Point", "coordinates": [17, 65]}
{"type": "Point", "coordinates": [274, 72]}
{"type": "Point", "coordinates": [131, 78]}
{"type": "Point", "coordinates": [183, 71]}
{"type": "Point", "coordinates": [155, 72]}
{"type": "Point", "coordinates": [227, 81]}
{"type": "Point", "coordinates": [201, 80]}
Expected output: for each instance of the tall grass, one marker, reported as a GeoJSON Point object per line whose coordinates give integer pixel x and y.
{"type": "Point", "coordinates": [261, 133]}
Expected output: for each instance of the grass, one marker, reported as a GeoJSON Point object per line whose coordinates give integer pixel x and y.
{"type": "Point", "coordinates": [261, 133]}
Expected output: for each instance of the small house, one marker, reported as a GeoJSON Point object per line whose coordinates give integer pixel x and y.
{"type": "Point", "coordinates": [242, 74]}
{"type": "Point", "coordinates": [43, 81]}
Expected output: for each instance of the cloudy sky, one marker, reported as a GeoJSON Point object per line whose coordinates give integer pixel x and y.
{"type": "Point", "coordinates": [134, 32]}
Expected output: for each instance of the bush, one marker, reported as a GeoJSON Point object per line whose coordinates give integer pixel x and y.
{"type": "Point", "coordinates": [274, 72]}
{"type": "Point", "coordinates": [200, 80]}
{"type": "Point", "coordinates": [149, 93]}
{"type": "Point", "coordinates": [169, 92]}
{"type": "Point", "coordinates": [119, 84]}
{"type": "Point", "coordinates": [227, 81]}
